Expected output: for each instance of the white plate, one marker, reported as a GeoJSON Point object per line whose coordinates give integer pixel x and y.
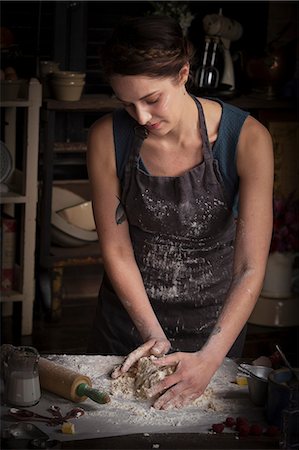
{"type": "Point", "coordinates": [5, 162]}
{"type": "Point", "coordinates": [78, 233]}
{"type": "Point", "coordinates": [62, 199]}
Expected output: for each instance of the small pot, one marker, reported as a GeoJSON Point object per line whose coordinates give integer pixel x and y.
{"type": "Point", "coordinates": [10, 89]}
{"type": "Point", "coordinates": [67, 90]}
{"type": "Point", "coordinates": [258, 384]}
{"type": "Point", "coordinates": [65, 74]}
{"type": "Point", "coordinates": [281, 389]}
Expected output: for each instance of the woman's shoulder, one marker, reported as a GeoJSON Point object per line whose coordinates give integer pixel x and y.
{"type": "Point", "coordinates": [255, 130]}
{"type": "Point", "coordinates": [101, 126]}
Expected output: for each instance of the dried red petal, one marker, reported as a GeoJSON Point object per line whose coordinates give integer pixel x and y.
{"type": "Point", "coordinates": [256, 429]}
{"type": "Point", "coordinates": [230, 422]}
{"type": "Point", "coordinates": [218, 427]}
{"type": "Point", "coordinates": [272, 430]}
{"type": "Point", "coordinates": [244, 429]}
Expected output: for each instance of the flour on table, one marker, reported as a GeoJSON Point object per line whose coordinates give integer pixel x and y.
{"type": "Point", "coordinates": [127, 410]}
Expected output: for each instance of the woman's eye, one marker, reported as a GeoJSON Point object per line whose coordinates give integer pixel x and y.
{"type": "Point", "coordinates": [150, 102]}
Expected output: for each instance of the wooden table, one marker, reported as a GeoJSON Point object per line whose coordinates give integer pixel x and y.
{"type": "Point", "coordinates": [175, 442]}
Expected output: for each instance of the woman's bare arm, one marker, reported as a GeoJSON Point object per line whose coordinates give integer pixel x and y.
{"type": "Point", "coordinates": [254, 229]}
{"type": "Point", "coordinates": [115, 243]}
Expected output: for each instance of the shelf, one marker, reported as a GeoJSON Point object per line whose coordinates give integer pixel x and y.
{"type": "Point", "coordinates": [70, 147]}
{"type": "Point", "coordinates": [12, 296]}
{"type": "Point", "coordinates": [12, 197]}
{"type": "Point", "coordinates": [87, 103]}
{"type": "Point", "coordinates": [70, 255]}
{"type": "Point", "coordinates": [23, 143]}
{"type": "Point", "coordinates": [69, 181]}
{"type": "Point", "coordinates": [19, 103]}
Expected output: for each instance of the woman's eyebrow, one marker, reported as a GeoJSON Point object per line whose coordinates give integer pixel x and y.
{"type": "Point", "coordinates": [142, 98]}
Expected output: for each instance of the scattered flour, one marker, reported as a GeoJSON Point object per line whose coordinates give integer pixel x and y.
{"type": "Point", "coordinates": [129, 406]}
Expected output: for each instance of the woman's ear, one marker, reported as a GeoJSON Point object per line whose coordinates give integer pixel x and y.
{"type": "Point", "coordinates": [184, 74]}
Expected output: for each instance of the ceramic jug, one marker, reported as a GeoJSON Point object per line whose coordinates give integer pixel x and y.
{"type": "Point", "coordinates": [22, 386]}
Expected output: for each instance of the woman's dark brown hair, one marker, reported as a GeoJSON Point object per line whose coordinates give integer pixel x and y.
{"type": "Point", "coordinates": [152, 45]}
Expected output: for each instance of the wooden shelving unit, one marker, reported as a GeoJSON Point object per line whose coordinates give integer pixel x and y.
{"type": "Point", "coordinates": [54, 259]}
{"type": "Point", "coordinates": [22, 191]}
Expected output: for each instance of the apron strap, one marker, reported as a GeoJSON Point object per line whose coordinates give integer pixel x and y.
{"type": "Point", "coordinates": [207, 151]}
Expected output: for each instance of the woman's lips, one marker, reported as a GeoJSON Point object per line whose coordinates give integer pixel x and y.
{"type": "Point", "coordinates": [154, 126]}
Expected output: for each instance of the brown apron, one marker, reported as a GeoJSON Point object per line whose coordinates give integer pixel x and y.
{"type": "Point", "coordinates": [182, 232]}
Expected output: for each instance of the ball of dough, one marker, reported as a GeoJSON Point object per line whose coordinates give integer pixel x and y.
{"type": "Point", "coordinates": [140, 378]}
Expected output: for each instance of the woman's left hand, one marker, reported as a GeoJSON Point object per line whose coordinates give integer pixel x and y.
{"type": "Point", "coordinates": [189, 381]}
{"type": "Point", "coordinates": [155, 346]}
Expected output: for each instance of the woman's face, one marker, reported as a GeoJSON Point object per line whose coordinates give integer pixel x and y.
{"type": "Point", "coordinates": [155, 103]}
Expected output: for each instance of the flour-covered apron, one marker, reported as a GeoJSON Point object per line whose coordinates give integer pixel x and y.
{"type": "Point", "coordinates": [182, 231]}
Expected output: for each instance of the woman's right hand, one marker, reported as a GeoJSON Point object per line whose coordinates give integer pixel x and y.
{"type": "Point", "coordinates": [157, 347]}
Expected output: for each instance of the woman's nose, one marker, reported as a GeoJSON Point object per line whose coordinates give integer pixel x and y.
{"type": "Point", "coordinates": [142, 115]}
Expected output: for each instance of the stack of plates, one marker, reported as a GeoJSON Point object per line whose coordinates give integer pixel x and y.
{"type": "Point", "coordinates": [72, 219]}
{"type": "Point", "coordinates": [5, 162]}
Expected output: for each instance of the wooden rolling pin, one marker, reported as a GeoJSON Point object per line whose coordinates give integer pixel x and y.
{"type": "Point", "coordinates": [67, 383]}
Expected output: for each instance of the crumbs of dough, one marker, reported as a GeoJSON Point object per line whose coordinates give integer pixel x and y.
{"type": "Point", "coordinates": [126, 410]}
{"type": "Point", "coordinates": [136, 383]}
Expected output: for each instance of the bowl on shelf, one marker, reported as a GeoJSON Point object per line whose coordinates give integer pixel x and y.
{"type": "Point", "coordinates": [67, 74]}
{"type": "Point", "coordinates": [67, 216]}
{"type": "Point", "coordinates": [67, 85]}
{"type": "Point", "coordinates": [10, 89]}
{"type": "Point", "coordinates": [67, 90]}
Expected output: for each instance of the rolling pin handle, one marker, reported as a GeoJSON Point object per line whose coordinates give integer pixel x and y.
{"type": "Point", "coordinates": [95, 395]}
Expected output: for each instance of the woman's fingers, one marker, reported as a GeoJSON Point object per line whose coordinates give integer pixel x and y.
{"type": "Point", "coordinates": [116, 372]}
{"type": "Point", "coordinates": [134, 356]}
{"type": "Point", "coordinates": [168, 360]}
{"type": "Point", "coordinates": [151, 347]}
{"type": "Point", "coordinates": [163, 385]}
{"type": "Point", "coordinates": [176, 397]}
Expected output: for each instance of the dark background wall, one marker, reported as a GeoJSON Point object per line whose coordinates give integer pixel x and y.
{"type": "Point", "coordinates": [71, 32]}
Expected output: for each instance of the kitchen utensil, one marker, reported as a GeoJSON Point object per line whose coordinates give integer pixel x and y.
{"type": "Point", "coordinates": [74, 413]}
{"type": "Point", "coordinates": [257, 372]}
{"type": "Point", "coordinates": [26, 414]}
{"type": "Point", "coordinates": [257, 382]}
{"type": "Point", "coordinates": [22, 386]}
{"type": "Point", "coordinates": [25, 435]}
{"type": "Point", "coordinates": [293, 371]}
{"type": "Point", "coordinates": [56, 412]}
{"type": "Point", "coordinates": [57, 419]}
{"type": "Point", "coordinates": [93, 394]}
{"type": "Point", "coordinates": [67, 383]}
{"type": "Point", "coordinates": [282, 392]}
{"type": "Point", "coordinates": [225, 30]}
{"type": "Point", "coordinates": [23, 431]}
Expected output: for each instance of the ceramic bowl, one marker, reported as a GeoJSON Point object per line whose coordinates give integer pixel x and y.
{"type": "Point", "coordinates": [48, 67]}
{"type": "Point", "coordinates": [67, 89]}
{"type": "Point", "coordinates": [65, 74]}
{"type": "Point", "coordinates": [10, 89]}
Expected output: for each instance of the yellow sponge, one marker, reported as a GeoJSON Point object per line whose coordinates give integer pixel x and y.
{"type": "Point", "coordinates": [241, 380]}
{"type": "Point", "coordinates": [68, 428]}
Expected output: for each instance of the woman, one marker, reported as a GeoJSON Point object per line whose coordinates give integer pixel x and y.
{"type": "Point", "coordinates": [181, 274]}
